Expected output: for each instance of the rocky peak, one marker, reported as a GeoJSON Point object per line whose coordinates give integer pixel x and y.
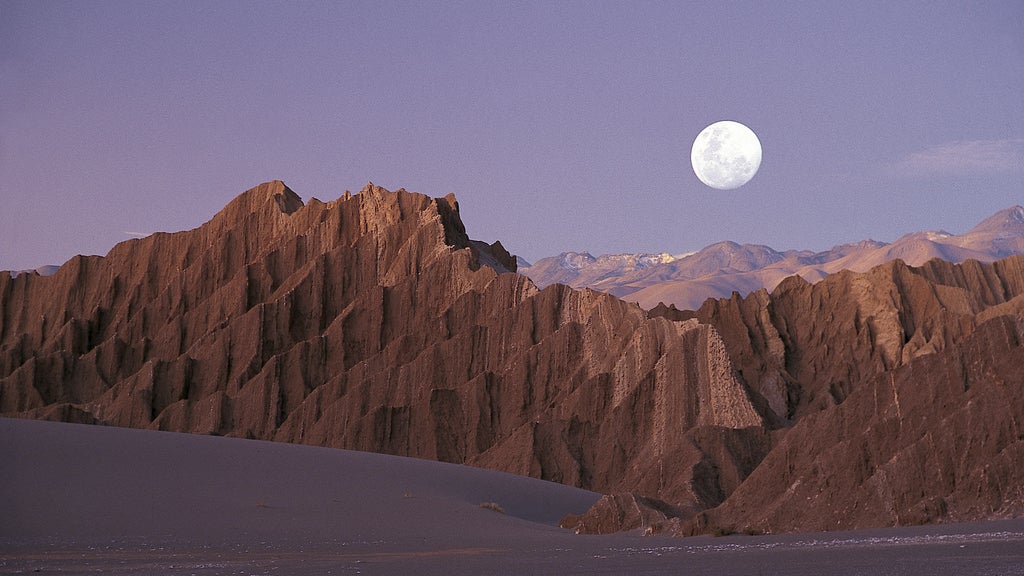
{"type": "Point", "coordinates": [373, 322]}
{"type": "Point", "coordinates": [261, 210]}
{"type": "Point", "coordinates": [454, 229]}
{"type": "Point", "coordinates": [577, 260]}
{"type": "Point", "coordinates": [269, 196]}
{"type": "Point", "coordinates": [1009, 221]}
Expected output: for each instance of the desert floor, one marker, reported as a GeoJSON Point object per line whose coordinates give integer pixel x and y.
{"type": "Point", "coordinates": [96, 500]}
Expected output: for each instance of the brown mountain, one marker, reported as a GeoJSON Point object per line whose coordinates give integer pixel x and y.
{"type": "Point", "coordinates": [722, 268]}
{"type": "Point", "coordinates": [374, 322]}
{"type": "Point", "coordinates": [937, 439]}
{"type": "Point", "coordinates": [885, 380]}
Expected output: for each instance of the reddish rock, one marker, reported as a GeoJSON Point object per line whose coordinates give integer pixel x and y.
{"type": "Point", "coordinates": [618, 513]}
{"type": "Point", "coordinates": [806, 347]}
{"type": "Point", "coordinates": [936, 440]}
{"type": "Point", "coordinates": [374, 322]}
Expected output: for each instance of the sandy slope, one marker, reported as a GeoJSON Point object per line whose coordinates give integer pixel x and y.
{"type": "Point", "coordinates": [85, 499]}
{"type": "Point", "coordinates": [97, 483]}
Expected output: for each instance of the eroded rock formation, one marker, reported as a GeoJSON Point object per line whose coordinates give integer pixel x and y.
{"type": "Point", "coordinates": [896, 394]}
{"type": "Point", "coordinates": [938, 439]}
{"type": "Point", "coordinates": [374, 322]}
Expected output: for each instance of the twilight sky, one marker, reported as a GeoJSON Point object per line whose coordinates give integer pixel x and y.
{"type": "Point", "coordinates": [558, 125]}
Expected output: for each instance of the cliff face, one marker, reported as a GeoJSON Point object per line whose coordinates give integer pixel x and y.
{"type": "Point", "coordinates": [896, 393]}
{"type": "Point", "coordinates": [938, 439]}
{"type": "Point", "coordinates": [806, 347]}
{"type": "Point", "coordinates": [374, 322]}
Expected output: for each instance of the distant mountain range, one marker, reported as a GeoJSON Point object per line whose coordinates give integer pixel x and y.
{"type": "Point", "coordinates": [718, 270]}
{"type": "Point", "coordinates": [42, 270]}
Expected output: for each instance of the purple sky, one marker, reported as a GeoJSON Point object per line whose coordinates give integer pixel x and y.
{"type": "Point", "coordinates": [559, 125]}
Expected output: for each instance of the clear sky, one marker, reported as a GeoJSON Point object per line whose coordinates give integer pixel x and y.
{"type": "Point", "coordinates": [559, 125]}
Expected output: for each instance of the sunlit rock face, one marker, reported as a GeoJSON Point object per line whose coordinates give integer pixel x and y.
{"type": "Point", "coordinates": [370, 322]}
{"type": "Point", "coordinates": [900, 390]}
{"type": "Point", "coordinates": [374, 322]}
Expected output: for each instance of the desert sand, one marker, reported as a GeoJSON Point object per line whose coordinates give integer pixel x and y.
{"type": "Point", "coordinates": [78, 499]}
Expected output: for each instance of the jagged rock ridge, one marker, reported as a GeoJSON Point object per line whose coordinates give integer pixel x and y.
{"type": "Point", "coordinates": [374, 322]}
{"type": "Point", "coordinates": [371, 322]}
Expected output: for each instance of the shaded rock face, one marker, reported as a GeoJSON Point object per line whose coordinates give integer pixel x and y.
{"type": "Point", "coordinates": [618, 513]}
{"type": "Point", "coordinates": [373, 322]}
{"type": "Point", "coordinates": [938, 439]}
{"type": "Point", "coordinates": [806, 347]}
{"type": "Point", "coordinates": [896, 395]}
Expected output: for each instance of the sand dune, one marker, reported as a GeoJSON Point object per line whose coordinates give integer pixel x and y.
{"type": "Point", "coordinates": [94, 484]}
{"type": "Point", "coordinates": [84, 499]}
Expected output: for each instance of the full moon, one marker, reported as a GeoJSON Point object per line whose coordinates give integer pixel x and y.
{"type": "Point", "coordinates": [726, 155]}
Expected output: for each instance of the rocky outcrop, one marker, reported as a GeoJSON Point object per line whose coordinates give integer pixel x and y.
{"type": "Point", "coordinates": [619, 513]}
{"type": "Point", "coordinates": [871, 380]}
{"type": "Point", "coordinates": [806, 351]}
{"type": "Point", "coordinates": [938, 439]}
{"type": "Point", "coordinates": [372, 322]}
{"type": "Point", "coordinates": [806, 347]}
